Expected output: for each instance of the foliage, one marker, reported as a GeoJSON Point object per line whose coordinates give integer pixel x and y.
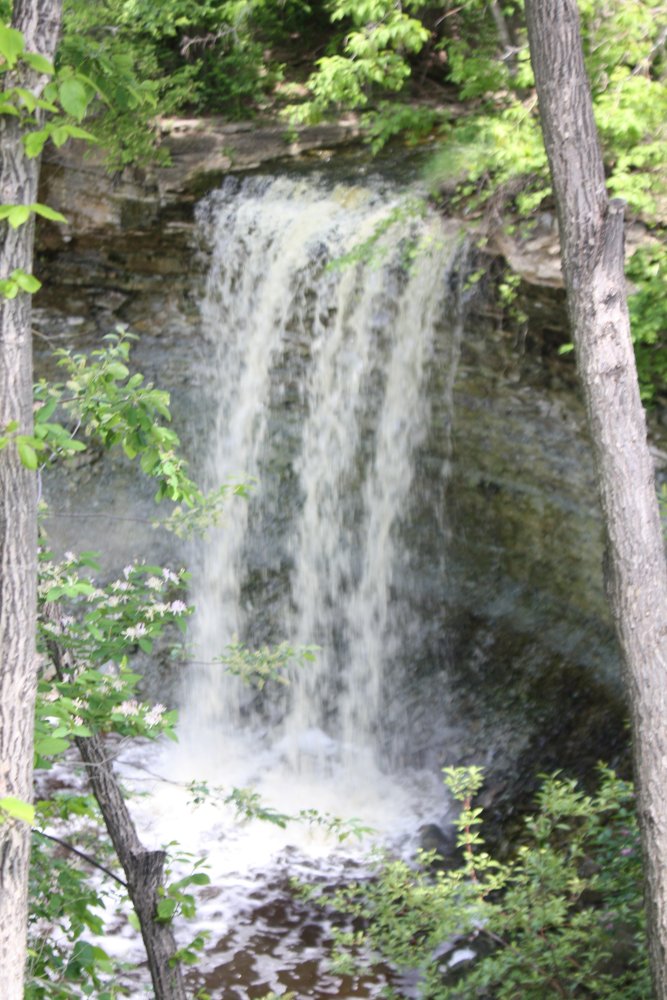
{"type": "Point", "coordinates": [562, 917]}
{"type": "Point", "coordinates": [257, 666]}
{"type": "Point", "coordinates": [249, 806]}
{"type": "Point", "coordinates": [647, 271]}
{"type": "Point", "coordinates": [491, 152]}
{"type": "Point", "coordinates": [107, 404]}
{"type": "Point", "coordinates": [65, 908]}
{"type": "Point", "coordinates": [177, 55]}
{"type": "Point", "coordinates": [64, 98]}
{"type": "Point", "coordinates": [96, 629]}
{"type": "Point", "coordinates": [375, 55]}
{"type": "Point", "coordinates": [87, 633]}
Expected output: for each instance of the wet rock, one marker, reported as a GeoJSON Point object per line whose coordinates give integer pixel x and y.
{"type": "Point", "coordinates": [432, 837]}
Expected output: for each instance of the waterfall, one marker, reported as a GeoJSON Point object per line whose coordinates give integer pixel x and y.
{"type": "Point", "coordinates": [320, 386]}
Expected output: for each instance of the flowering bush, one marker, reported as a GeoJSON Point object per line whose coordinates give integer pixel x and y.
{"type": "Point", "coordinates": [87, 635]}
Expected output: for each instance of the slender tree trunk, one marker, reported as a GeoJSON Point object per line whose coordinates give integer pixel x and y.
{"type": "Point", "coordinates": [39, 22]}
{"type": "Point", "coordinates": [592, 236]}
{"type": "Point", "coordinates": [144, 870]}
{"type": "Point", "coordinates": [505, 35]}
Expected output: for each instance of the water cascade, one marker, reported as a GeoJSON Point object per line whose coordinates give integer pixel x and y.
{"type": "Point", "coordinates": [319, 380]}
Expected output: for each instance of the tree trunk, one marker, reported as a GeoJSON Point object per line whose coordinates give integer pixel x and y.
{"type": "Point", "coordinates": [592, 237]}
{"type": "Point", "coordinates": [144, 870]}
{"type": "Point", "coordinates": [39, 22]}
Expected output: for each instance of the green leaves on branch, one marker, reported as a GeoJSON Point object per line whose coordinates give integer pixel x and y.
{"type": "Point", "coordinates": [12, 49]}
{"type": "Point", "coordinates": [249, 805]}
{"type": "Point", "coordinates": [90, 631]}
{"type": "Point", "coordinates": [375, 55]}
{"type": "Point", "coordinates": [562, 917]}
{"type": "Point", "coordinates": [58, 132]}
{"type": "Point", "coordinates": [647, 272]}
{"type": "Point", "coordinates": [63, 964]}
{"type": "Point", "coordinates": [108, 404]}
{"type": "Point", "coordinates": [19, 281]}
{"type": "Point", "coordinates": [67, 96]}
{"type": "Point", "coordinates": [257, 667]}
{"type": "Point", "coordinates": [17, 215]}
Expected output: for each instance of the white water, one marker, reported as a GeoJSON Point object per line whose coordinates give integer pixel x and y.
{"type": "Point", "coordinates": [347, 350]}
{"type": "Point", "coordinates": [318, 388]}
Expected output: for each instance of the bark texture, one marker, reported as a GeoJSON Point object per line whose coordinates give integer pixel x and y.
{"type": "Point", "coordinates": [592, 237]}
{"type": "Point", "coordinates": [144, 870]}
{"type": "Point", "coordinates": [39, 21]}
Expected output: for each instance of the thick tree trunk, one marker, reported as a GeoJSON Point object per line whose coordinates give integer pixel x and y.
{"type": "Point", "coordinates": [592, 235]}
{"type": "Point", "coordinates": [39, 22]}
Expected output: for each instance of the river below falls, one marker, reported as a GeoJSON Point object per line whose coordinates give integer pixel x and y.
{"type": "Point", "coordinates": [262, 937]}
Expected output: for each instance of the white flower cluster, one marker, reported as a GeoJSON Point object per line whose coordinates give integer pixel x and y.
{"type": "Point", "coordinates": [154, 715]}
{"type": "Point", "coordinates": [128, 708]}
{"type": "Point", "coordinates": [134, 631]}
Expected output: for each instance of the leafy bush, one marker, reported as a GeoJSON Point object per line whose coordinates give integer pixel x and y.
{"type": "Point", "coordinates": [647, 270]}
{"type": "Point", "coordinates": [562, 917]}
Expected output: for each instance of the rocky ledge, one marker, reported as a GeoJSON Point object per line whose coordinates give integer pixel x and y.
{"type": "Point", "coordinates": [76, 182]}
{"type": "Point", "coordinates": [202, 151]}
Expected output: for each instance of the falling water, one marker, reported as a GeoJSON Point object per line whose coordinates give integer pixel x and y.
{"type": "Point", "coordinates": [319, 384]}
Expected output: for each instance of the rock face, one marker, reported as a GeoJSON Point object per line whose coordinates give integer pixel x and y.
{"type": "Point", "coordinates": [201, 151]}
{"type": "Point", "coordinates": [535, 255]}
{"type": "Point", "coordinates": [533, 670]}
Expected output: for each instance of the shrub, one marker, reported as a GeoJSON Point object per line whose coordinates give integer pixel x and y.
{"type": "Point", "coordinates": [562, 917]}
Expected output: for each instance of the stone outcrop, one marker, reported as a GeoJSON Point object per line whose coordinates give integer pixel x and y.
{"type": "Point", "coordinates": [202, 151]}
{"type": "Point", "coordinates": [535, 255]}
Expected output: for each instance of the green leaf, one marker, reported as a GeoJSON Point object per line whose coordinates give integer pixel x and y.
{"type": "Point", "coordinates": [76, 132]}
{"type": "Point", "coordinates": [118, 370]}
{"type": "Point", "coordinates": [74, 98]}
{"type": "Point", "coordinates": [45, 411]}
{"type": "Point", "coordinates": [47, 746]}
{"type": "Point", "coordinates": [17, 215]}
{"type": "Point", "coordinates": [27, 454]}
{"type": "Point", "coordinates": [39, 63]}
{"type": "Point", "coordinates": [28, 99]}
{"type": "Point", "coordinates": [47, 212]}
{"type": "Point", "coordinates": [11, 44]}
{"type": "Point", "coordinates": [26, 282]}
{"type": "Point", "coordinates": [34, 142]}
{"type": "Point", "coordinates": [17, 809]}
{"type": "Point", "coordinates": [59, 136]}
{"type": "Point", "coordinates": [166, 909]}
